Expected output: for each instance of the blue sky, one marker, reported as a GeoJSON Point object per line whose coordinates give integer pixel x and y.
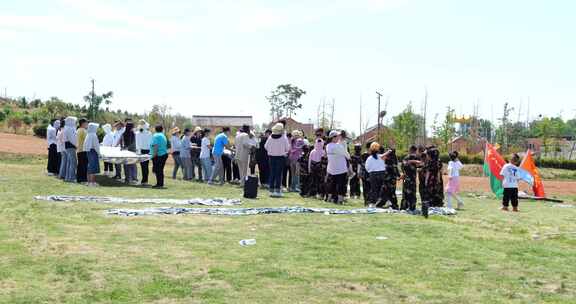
{"type": "Point", "coordinates": [224, 57]}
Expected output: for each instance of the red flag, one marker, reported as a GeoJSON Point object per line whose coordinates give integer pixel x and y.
{"type": "Point", "coordinates": [529, 165]}
{"type": "Point", "coordinates": [494, 160]}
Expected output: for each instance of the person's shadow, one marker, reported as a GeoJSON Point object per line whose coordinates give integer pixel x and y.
{"type": "Point", "coordinates": [105, 181]}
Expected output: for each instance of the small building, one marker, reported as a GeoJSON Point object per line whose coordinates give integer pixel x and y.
{"type": "Point", "coordinates": [371, 134]}
{"type": "Point", "coordinates": [292, 124]}
{"type": "Point", "coordinates": [468, 145]}
{"type": "Point", "coordinates": [217, 122]}
{"type": "Point", "coordinates": [563, 147]}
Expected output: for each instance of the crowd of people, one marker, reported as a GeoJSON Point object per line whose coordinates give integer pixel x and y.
{"type": "Point", "coordinates": [321, 167]}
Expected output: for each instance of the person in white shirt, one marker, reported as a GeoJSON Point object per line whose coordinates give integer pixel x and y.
{"type": "Point", "coordinates": [376, 167]}
{"type": "Point", "coordinates": [92, 148]}
{"type": "Point", "coordinates": [60, 147]}
{"type": "Point", "coordinates": [205, 159]}
{"type": "Point", "coordinates": [510, 180]}
{"type": "Point", "coordinates": [116, 143]}
{"type": "Point", "coordinates": [108, 141]}
{"type": "Point", "coordinates": [51, 130]}
{"type": "Point", "coordinates": [453, 186]}
{"type": "Point", "coordinates": [175, 145]}
{"type": "Point", "coordinates": [337, 168]}
{"type": "Point", "coordinates": [143, 138]}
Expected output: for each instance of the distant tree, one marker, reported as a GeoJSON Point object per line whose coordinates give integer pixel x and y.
{"type": "Point", "coordinates": [36, 103]}
{"type": "Point", "coordinates": [444, 131]}
{"type": "Point", "coordinates": [485, 129]}
{"type": "Point", "coordinates": [284, 100]}
{"type": "Point", "coordinates": [94, 101]}
{"type": "Point", "coordinates": [503, 132]}
{"type": "Point", "coordinates": [22, 102]}
{"type": "Point", "coordinates": [15, 121]}
{"type": "Point", "coordinates": [406, 126]}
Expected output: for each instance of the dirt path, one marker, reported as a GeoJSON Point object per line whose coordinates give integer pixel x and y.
{"type": "Point", "coordinates": [22, 144]}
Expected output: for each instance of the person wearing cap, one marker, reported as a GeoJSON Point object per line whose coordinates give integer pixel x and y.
{"type": "Point", "coordinates": [196, 142]}
{"type": "Point", "coordinates": [185, 155]}
{"type": "Point", "coordinates": [355, 164]}
{"type": "Point", "coordinates": [244, 142]}
{"type": "Point", "coordinates": [143, 138]}
{"type": "Point", "coordinates": [277, 147]}
{"type": "Point", "coordinates": [205, 154]}
{"type": "Point", "coordinates": [221, 142]}
{"type": "Point", "coordinates": [175, 145]}
{"type": "Point", "coordinates": [337, 168]}
{"type": "Point", "coordinates": [92, 149]}
{"type": "Point", "coordinates": [296, 144]}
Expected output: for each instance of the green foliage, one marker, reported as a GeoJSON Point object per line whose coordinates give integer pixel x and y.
{"type": "Point", "coordinates": [94, 101]}
{"type": "Point", "coordinates": [406, 127]}
{"type": "Point", "coordinates": [445, 130]}
{"type": "Point", "coordinates": [556, 163]}
{"type": "Point", "coordinates": [40, 130]}
{"type": "Point", "coordinates": [2, 116]}
{"type": "Point", "coordinates": [27, 120]}
{"type": "Point", "coordinates": [15, 121]}
{"type": "Point", "coordinates": [284, 100]}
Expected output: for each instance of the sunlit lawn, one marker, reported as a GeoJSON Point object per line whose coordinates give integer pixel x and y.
{"type": "Point", "coordinates": [75, 253]}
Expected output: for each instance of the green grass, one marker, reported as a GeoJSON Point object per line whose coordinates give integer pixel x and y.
{"type": "Point", "coordinates": [74, 253]}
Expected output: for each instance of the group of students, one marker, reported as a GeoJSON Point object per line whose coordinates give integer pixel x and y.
{"type": "Point", "coordinates": [323, 169]}
{"type": "Point", "coordinates": [74, 150]}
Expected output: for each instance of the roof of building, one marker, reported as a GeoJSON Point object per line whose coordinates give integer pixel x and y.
{"type": "Point", "coordinates": [221, 120]}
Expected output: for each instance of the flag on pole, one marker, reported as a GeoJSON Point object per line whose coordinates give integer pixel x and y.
{"type": "Point", "coordinates": [529, 165]}
{"type": "Point", "coordinates": [493, 163]}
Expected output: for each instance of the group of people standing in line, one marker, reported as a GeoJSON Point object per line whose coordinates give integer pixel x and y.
{"type": "Point", "coordinates": [323, 168]}
{"type": "Point", "coordinates": [74, 150]}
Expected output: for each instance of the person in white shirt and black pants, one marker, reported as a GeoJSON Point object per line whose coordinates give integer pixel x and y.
{"type": "Point", "coordinates": [53, 157]}
{"type": "Point", "coordinates": [376, 168]}
{"type": "Point", "coordinates": [510, 180]}
{"type": "Point", "coordinates": [143, 138]}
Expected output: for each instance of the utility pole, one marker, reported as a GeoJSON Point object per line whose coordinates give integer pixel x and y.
{"type": "Point", "coordinates": [360, 130]}
{"type": "Point", "coordinates": [424, 135]}
{"type": "Point", "coordinates": [379, 96]}
{"type": "Point", "coordinates": [92, 101]}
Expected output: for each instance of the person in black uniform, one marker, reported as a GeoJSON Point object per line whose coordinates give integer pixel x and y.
{"type": "Point", "coordinates": [355, 163]}
{"type": "Point", "coordinates": [391, 175]}
{"type": "Point", "coordinates": [409, 167]}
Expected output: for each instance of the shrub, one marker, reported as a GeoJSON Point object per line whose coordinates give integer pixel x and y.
{"type": "Point", "coordinates": [2, 116]}
{"type": "Point", "coordinates": [40, 130]}
{"type": "Point", "coordinates": [556, 163]}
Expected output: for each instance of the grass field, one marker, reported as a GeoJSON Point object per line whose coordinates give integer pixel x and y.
{"type": "Point", "coordinates": [74, 253]}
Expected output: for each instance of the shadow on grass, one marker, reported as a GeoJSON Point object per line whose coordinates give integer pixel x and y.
{"type": "Point", "coordinates": [105, 181]}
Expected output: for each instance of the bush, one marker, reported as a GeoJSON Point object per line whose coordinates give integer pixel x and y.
{"type": "Point", "coordinates": [2, 116]}
{"type": "Point", "coordinates": [556, 163]}
{"type": "Point", "coordinates": [40, 130]}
